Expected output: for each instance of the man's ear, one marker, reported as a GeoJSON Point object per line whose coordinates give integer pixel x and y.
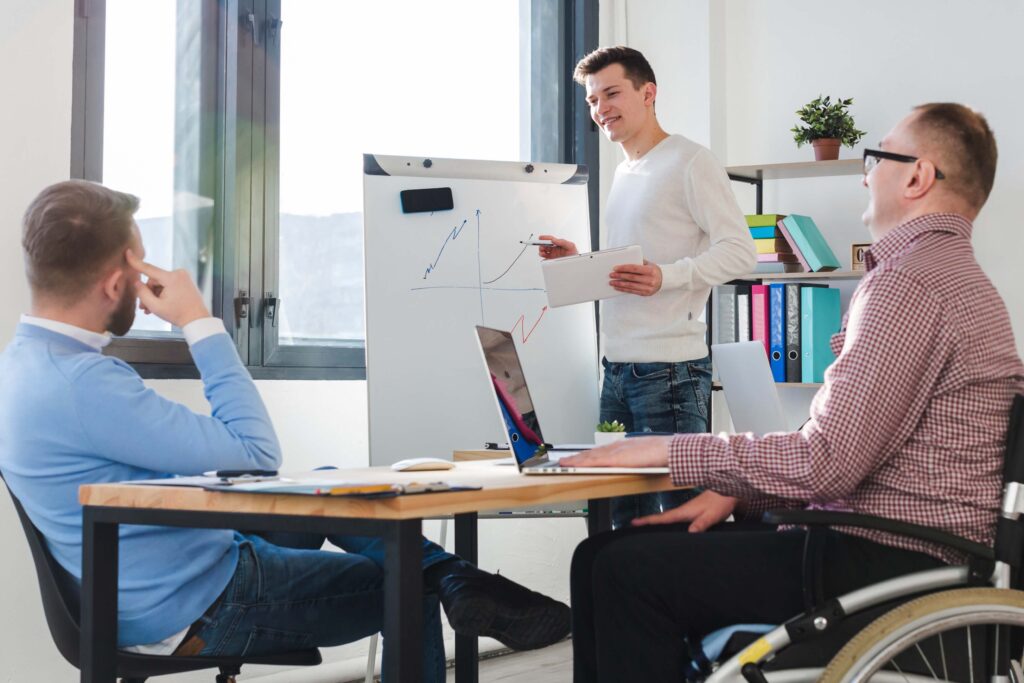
{"type": "Point", "coordinates": [921, 181]}
{"type": "Point", "coordinates": [113, 284]}
{"type": "Point", "coordinates": [650, 93]}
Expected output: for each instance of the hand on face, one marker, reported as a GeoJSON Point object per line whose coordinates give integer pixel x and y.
{"type": "Point", "coordinates": [169, 295]}
{"type": "Point", "coordinates": [647, 451]}
{"type": "Point", "coordinates": [643, 280]}
{"type": "Point", "coordinates": [561, 248]}
{"type": "Point", "coordinates": [703, 512]}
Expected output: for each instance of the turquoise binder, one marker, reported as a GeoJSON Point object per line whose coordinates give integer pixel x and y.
{"type": "Point", "coordinates": [810, 243]}
{"type": "Point", "coordinates": [819, 320]}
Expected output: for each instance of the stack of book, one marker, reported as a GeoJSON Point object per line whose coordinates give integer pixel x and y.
{"type": "Point", "coordinates": [795, 322]}
{"type": "Point", "coordinates": [774, 251]}
{"type": "Point", "coordinates": [789, 244]}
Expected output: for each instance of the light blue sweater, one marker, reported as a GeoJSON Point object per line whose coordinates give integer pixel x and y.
{"type": "Point", "coordinates": [71, 416]}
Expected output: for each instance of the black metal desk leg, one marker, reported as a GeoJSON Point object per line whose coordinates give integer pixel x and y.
{"type": "Point", "coordinates": [98, 646]}
{"type": "Point", "coordinates": [403, 601]}
{"type": "Point", "coordinates": [599, 515]}
{"type": "Point", "coordinates": [467, 648]}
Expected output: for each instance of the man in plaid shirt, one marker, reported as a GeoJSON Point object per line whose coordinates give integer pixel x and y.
{"type": "Point", "coordinates": [910, 425]}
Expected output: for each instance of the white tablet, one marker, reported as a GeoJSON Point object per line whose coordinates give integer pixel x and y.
{"type": "Point", "coordinates": [575, 279]}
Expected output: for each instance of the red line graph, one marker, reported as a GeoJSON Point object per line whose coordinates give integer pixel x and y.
{"type": "Point", "coordinates": [521, 324]}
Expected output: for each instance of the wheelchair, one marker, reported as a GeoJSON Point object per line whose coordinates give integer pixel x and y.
{"type": "Point", "coordinates": [955, 623]}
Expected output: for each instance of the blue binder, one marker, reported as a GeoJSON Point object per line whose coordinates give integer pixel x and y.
{"type": "Point", "coordinates": [777, 331]}
{"type": "Point", "coordinates": [819, 320]}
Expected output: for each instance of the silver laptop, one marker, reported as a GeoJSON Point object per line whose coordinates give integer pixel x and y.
{"type": "Point", "coordinates": [518, 414]}
{"type": "Point", "coordinates": [749, 387]}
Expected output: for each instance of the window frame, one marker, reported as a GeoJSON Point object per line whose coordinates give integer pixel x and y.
{"type": "Point", "coordinates": [238, 60]}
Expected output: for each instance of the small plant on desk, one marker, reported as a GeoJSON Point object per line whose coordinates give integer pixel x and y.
{"type": "Point", "coordinates": [609, 431]}
{"type": "Point", "coordinates": [613, 426]}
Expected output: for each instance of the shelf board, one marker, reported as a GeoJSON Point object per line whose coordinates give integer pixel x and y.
{"type": "Point", "coordinates": [799, 169]}
{"type": "Point", "coordinates": [827, 275]}
{"type": "Point", "coordinates": [717, 386]}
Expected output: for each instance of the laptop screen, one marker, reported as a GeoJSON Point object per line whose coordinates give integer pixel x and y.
{"type": "Point", "coordinates": [512, 395]}
{"type": "Point", "coordinates": [749, 387]}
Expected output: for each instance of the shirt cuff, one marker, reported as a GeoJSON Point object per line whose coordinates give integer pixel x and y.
{"type": "Point", "coordinates": [675, 275]}
{"type": "Point", "coordinates": [198, 330]}
{"type": "Point", "coordinates": [684, 459]}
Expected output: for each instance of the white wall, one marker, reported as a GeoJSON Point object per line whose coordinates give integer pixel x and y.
{"type": "Point", "coordinates": [732, 73]}
{"type": "Point", "coordinates": [888, 56]}
{"type": "Point", "coordinates": [35, 149]}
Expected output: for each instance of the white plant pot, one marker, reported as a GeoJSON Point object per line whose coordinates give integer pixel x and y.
{"type": "Point", "coordinates": [602, 438]}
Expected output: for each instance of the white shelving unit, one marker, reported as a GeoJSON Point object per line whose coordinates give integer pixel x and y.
{"type": "Point", "coordinates": [756, 175]}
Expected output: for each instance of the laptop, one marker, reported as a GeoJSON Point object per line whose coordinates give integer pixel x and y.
{"type": "Point", "coordinates": [518, 413]}
{"type": "Point", "coordinates": [749, 387]}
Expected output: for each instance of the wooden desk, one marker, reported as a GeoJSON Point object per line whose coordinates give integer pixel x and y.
{"type": "Point", "coordinates": [397, 520]}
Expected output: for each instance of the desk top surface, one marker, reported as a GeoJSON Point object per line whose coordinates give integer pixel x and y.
{"type": "Point", "coordinates": [503, 487]}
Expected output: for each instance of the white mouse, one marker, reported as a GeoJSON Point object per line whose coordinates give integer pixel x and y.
{"type": "Point", "coordinates": [418, 464]}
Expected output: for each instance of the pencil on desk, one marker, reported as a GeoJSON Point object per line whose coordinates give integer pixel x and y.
{"type": "Point", "coordinates": [355, 489]}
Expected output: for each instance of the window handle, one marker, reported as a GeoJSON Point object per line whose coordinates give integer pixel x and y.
{"type": "Point", "coordinates": [251, 17]}
{"type": "Point", "coordinates": [242, 303]}
{"type": "Point", "coordinates": [273, 26]}
{"type": "Point", "coordinates": [271, 304]}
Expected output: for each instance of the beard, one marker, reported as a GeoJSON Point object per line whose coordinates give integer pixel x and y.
{"type": "Point", "coordinates": [123, 317]}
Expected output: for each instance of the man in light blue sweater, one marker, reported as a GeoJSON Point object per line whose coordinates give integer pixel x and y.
{"type": "Point", "coordinates": [70, 415]}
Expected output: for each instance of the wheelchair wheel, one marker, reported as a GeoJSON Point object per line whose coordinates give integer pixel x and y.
{"type": "Point", "coordinates": [949, 636]}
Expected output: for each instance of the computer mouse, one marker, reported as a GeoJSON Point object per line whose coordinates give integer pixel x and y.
{"type": "Point", "coordinates": [419, 464]}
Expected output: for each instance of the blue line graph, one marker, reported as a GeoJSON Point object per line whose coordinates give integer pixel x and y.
{"type": "Point", "coordinates": [481, 285]}
{"type": "Point", "coordinates": [505, 272]}
{"type": "Point", "coordinates": [451, 236]}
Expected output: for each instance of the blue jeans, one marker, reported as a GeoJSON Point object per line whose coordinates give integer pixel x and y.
{"type": "Point", "coordinates": [670, 398]}
{"type": "Point", "coordinates": [287, 598]}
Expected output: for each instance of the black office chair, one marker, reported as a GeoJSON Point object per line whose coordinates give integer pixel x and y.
{"type": "Point", "coordinates": [60, 592]}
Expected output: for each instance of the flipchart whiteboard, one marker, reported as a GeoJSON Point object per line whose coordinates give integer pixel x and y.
{"type": "Point", "coordinates": [431, 277]}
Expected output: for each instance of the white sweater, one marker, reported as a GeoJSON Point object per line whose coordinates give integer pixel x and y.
{"type": "Point", "coordinates": [676, 202]}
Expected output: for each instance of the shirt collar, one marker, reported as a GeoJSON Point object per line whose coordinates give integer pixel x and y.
{"type": "Point", "coordinates": [901, 236]}
{"type": "Point", "coordinates": [91, 339]}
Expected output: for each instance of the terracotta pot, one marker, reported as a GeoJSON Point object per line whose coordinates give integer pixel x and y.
{"type": "Point", "coordinates": [825, 149]}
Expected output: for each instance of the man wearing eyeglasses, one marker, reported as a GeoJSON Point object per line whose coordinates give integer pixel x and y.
{"type": "Point", "coordinates": [909, 425]}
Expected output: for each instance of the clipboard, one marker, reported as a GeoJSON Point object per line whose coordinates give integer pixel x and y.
{"type": "Point", "coordinates": [584, 277]}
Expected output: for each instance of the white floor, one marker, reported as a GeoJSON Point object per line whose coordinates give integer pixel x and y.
{"type": "Point", "coordinates": [550, 665]}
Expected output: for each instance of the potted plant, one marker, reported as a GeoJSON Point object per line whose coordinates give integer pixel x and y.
{"type": "Point", "coordinates": [828, 125]}
{"type": "Point", "coordinates": [608, 432]}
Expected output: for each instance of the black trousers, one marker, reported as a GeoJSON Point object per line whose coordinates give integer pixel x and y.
{"type": "Point", "coordinates": [639, 595]}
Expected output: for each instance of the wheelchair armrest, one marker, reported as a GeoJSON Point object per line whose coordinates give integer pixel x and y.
{"type": "Point", "coordinates": [924, 533]}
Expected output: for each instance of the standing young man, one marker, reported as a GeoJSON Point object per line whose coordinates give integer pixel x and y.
{"type": "Point", "coordinates": [673, 198]}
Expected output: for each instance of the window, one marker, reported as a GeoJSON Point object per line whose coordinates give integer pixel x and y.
{"type": "Point", "coordinates": [241, 125]}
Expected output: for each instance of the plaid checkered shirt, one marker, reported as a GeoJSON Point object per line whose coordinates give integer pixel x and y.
{"type": "Point", "coordinates": [911, 421]}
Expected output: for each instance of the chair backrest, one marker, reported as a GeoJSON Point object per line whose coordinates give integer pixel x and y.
{"type": "Point", "coordinates": [1013, 465]}
{"type": "Point", "coordinates": [1009, 545]}
{"type": "Point", "coordinates": [57, 588]}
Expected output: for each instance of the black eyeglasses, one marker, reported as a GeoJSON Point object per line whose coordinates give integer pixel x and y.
{"type": "Point", "coordinates": [873, 156]}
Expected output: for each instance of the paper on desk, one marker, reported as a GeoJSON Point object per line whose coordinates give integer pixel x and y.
{"type": "Point", "coordinates": [309, 487]}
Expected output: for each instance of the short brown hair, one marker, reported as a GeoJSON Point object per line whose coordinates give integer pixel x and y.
{"type": "Point", "coordinates": [637, 68]}
{"type": "Point", "coordinates": [968, 143]}
{"type": "Point", "coordinates": [70, 232]}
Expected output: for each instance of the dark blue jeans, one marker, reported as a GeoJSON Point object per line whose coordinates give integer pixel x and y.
{"type": "Point", "coordinates": [287, 598]}
{"type": "Point", "coordinates": [670, 398]}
